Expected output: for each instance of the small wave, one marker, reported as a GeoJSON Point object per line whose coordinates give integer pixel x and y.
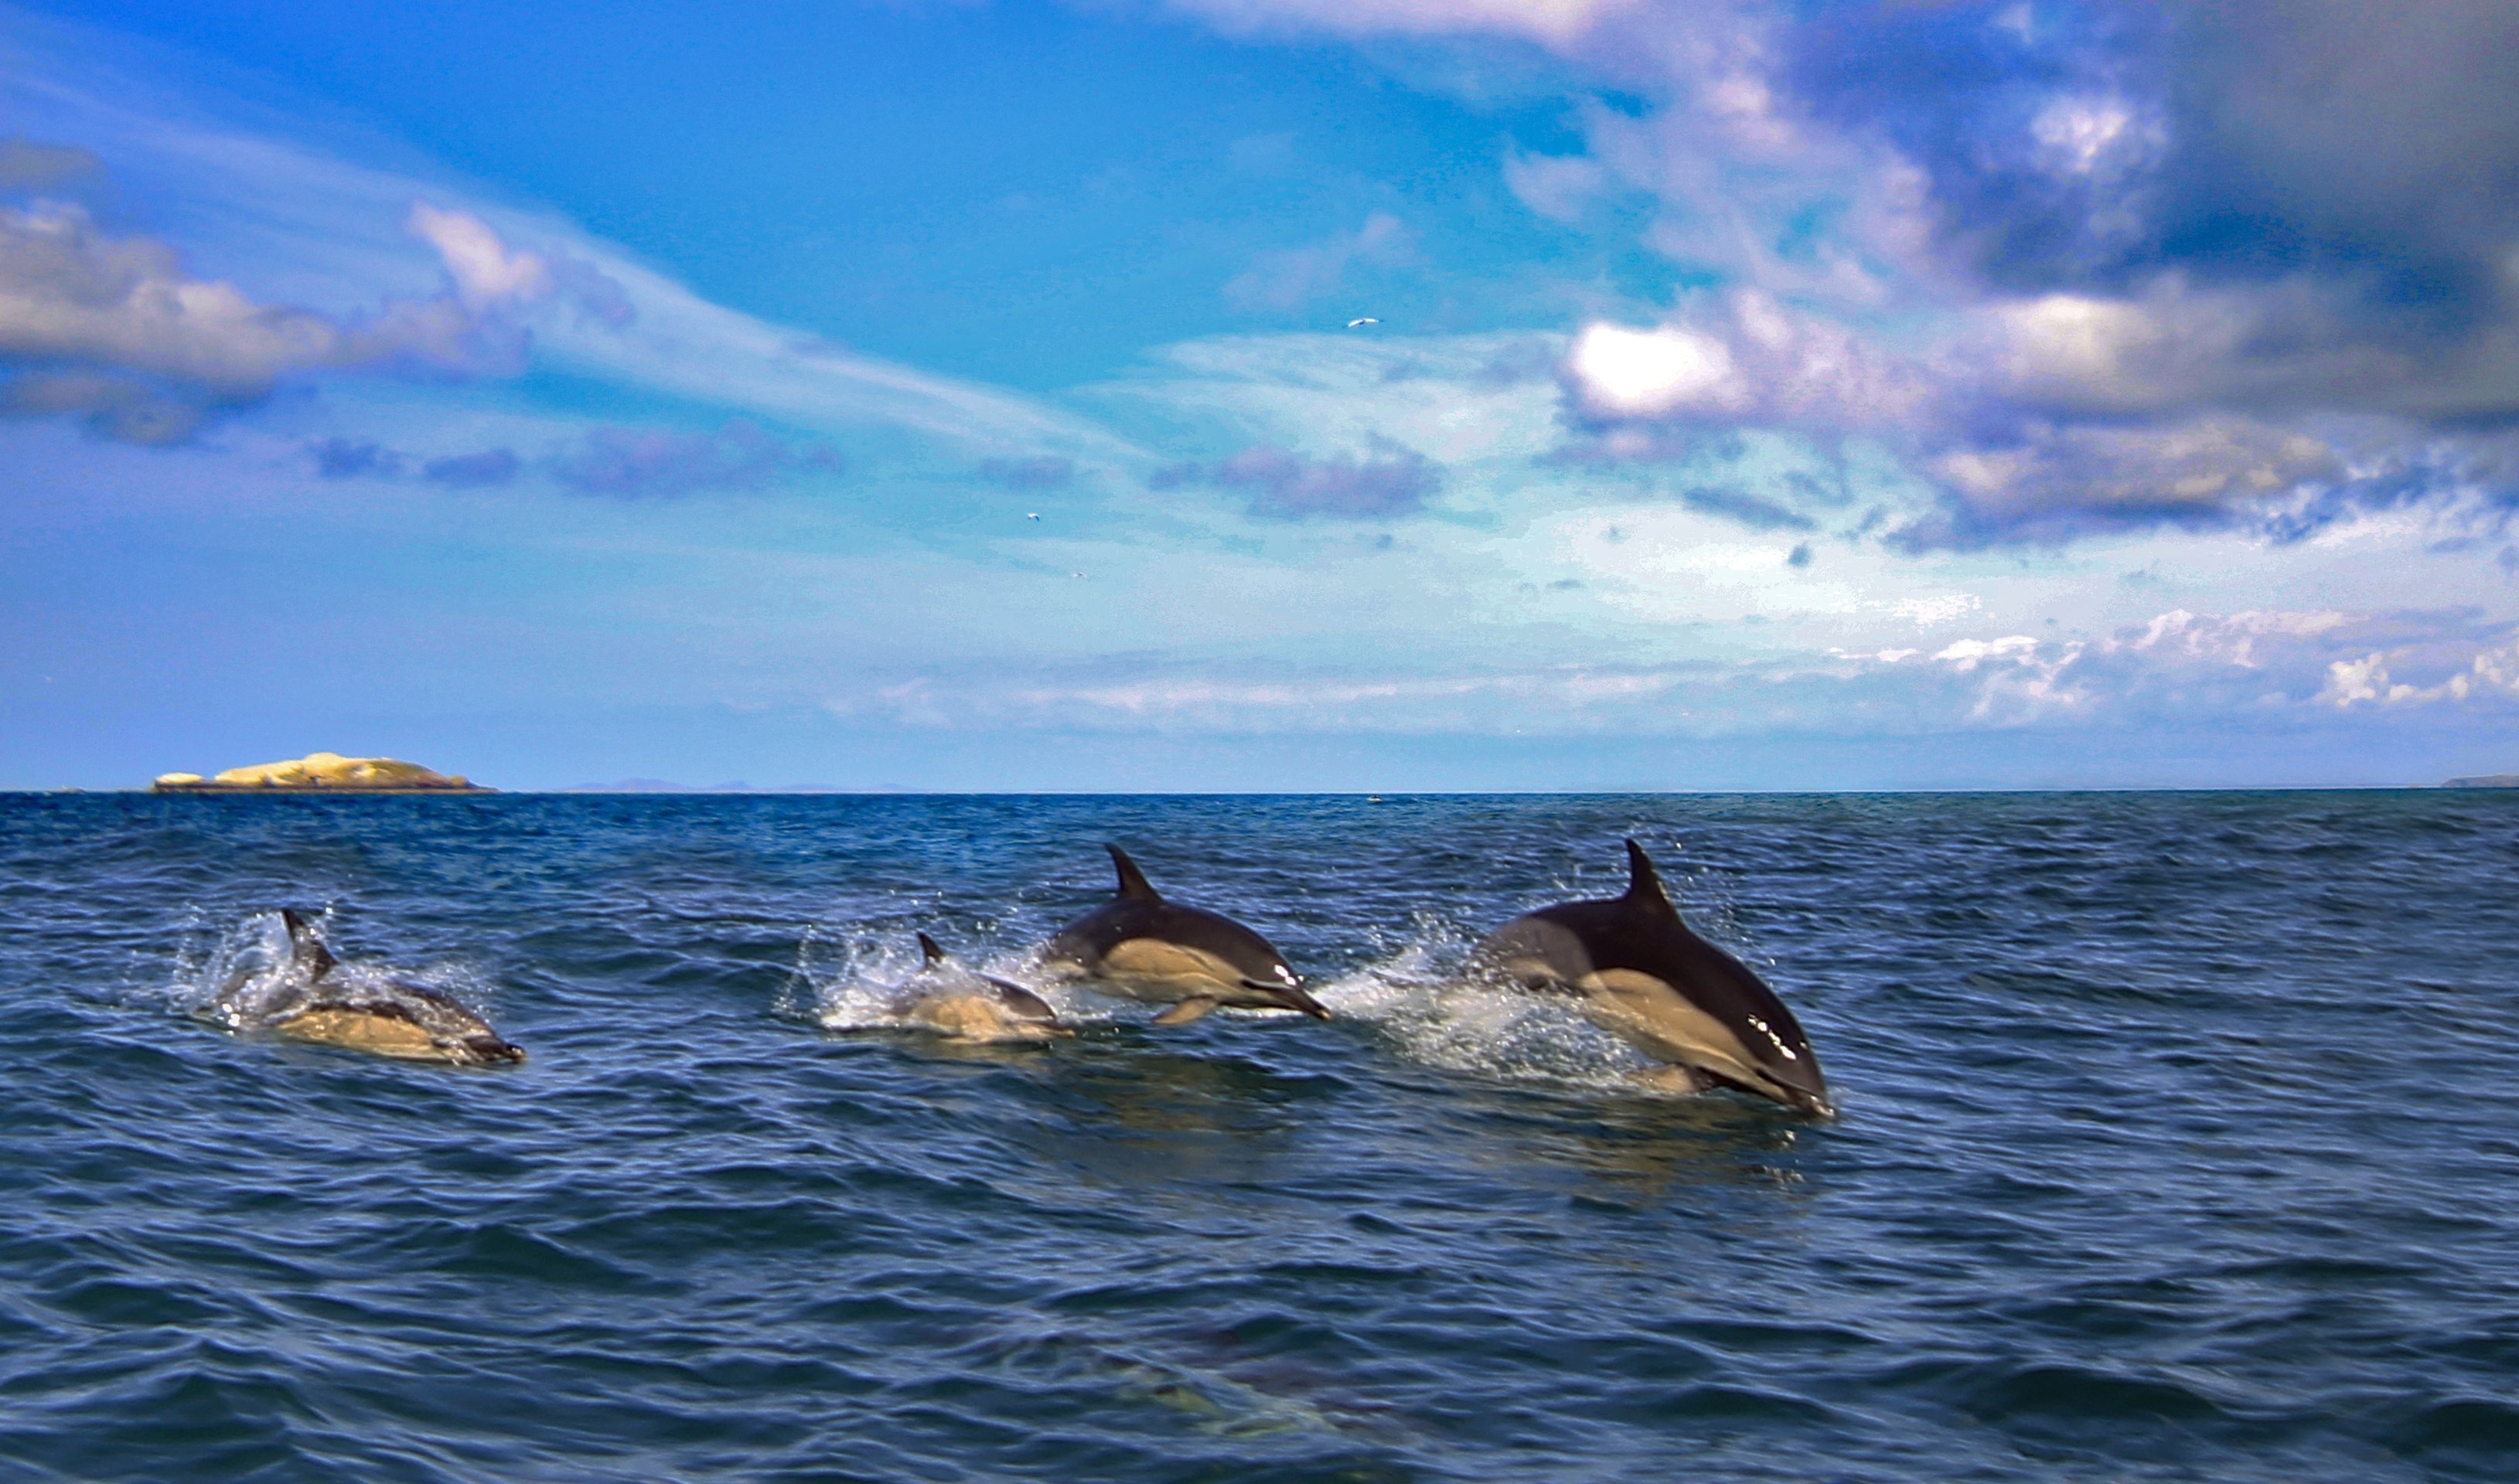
{"type": "Point", "coordinates": [1417, 1000]}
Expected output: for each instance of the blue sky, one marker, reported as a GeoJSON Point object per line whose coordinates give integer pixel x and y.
{"type": "Point", "coordinates": [963, 395]}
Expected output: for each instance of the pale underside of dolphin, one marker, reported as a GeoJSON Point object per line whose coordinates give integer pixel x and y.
{"type": "Point", "coordinates": [953, 1001]}
{"type": "Point", "coordinates": [383, 1017]}
{"type": "Point", "coordinates": [1142, 948]}
{"type": "Point", "coordinates": [1644, 976]}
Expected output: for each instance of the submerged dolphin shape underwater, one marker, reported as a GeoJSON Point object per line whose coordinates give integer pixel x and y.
{"type": "Point", "coordinates": [948, 998]}
{"type": "Point", "coordinates": [1142, 946]}
{"type": "Point", "coordinates": [1645, 979]}
{"type": "Point", "coordinates": [388, 1017]}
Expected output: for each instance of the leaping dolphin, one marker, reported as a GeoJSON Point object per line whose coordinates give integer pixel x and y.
{"type": "Point", "coordinates": [1142, 946]}
{"type": "Point", "coordinates": [387, 1016]}
{"type": "Point", "coordinates": [1645, 979]}
{"type": "Point", "coordinates": [948, 998]}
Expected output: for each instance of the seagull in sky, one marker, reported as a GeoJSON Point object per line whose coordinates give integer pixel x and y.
{"type": "Point", "coordinates": [1032, 515]}
{"type": "Point", "coordinates": [1359, 324]}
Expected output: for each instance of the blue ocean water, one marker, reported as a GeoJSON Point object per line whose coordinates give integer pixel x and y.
{"type": "Point", "coordinates": [2179, 1140]}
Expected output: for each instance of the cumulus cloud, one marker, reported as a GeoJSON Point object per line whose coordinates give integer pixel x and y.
{"type": "Point", "coordinates": [1288, 279]}
{"type": "Point", "coordinates": [2084, 265]}
{"type": "Point", "coordinates": [632, 463]}
{"type": "Point", "coordinates": [1749, 359]}
{"type": "Point", "coordinates": [112, 327]}
{"type": "Point", "coordinates": [1286, 486]}
{"type": "Point", "coordinates": [71, 294]}
{"type": "Point", "coordinates": [2297, 662]}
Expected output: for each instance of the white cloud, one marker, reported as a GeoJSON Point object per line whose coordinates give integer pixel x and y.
{"type": "Point", "coordinates": [1751, 359]}
{"type": "Point", "coordinates": [1654, 372]}
{"type": "Point", "coordinates": [485, 271]}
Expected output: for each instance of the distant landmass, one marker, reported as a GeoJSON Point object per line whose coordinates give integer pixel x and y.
{"type": "Point", "coordinates": [2489, 780]}
{"type": "Point", "coordinates": [323, 773]}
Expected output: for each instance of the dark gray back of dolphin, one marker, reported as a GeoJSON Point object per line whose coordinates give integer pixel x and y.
{"type": "Point", "coordinates": [1136, 910]}
{"type": "Point", "coordinates": [1640, 932]}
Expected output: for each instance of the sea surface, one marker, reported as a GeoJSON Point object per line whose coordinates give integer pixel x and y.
{"type": "Point", "coordinates": [2179, 1140]}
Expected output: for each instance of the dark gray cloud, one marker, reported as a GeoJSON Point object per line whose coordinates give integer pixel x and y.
{"type": "Point", "coordinates": [2358, 156]}
{"type": "Point", "coordinates": [1286, 486]}
{"type": "Point", "coordinates": [2085, 265]}
{"type": "Point", "coordinates": [349, 458]}
{"type": "Point", "coordinates": [122, 408]}
{"type": "Point", "coordinates": [1755, 511]}
{"type": "Point", "coordinates": [473, 471]}
{"type": "Point", "coordinates": [632, 464]}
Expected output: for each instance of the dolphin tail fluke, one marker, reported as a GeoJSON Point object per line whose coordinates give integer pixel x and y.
{"type": "Point", "coordinates": [1643, 883]}
{"type": "Point", "coordinates": [306, 944]}
{"type": "Point", "coordinates": [1132, 882]}
{"type": "Point", "coordinates": [928, 951]}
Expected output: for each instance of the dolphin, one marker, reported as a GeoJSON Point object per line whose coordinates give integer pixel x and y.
{"type": "Point", "coordinates": [949, 998]}
{"type": "Point", "coordinates": [1645, 979]}
{"type": "Point", "coordinates": [388, 1017]}
{"type": "Point", "coordinates": [1142, 946]}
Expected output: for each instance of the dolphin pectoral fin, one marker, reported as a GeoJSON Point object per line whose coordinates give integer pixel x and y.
{"type": "Point", "coordinates": [1186, 1011]}
{"type": "Point", "coordinates": [1020, 1001]}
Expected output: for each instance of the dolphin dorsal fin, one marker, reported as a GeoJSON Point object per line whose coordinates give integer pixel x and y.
{"type": "Point", "coordinates": [1132, 882]}
{"type": "Point", "coordinates": [1643, 883]}
{"type": "Point", "coordinates": [928, 951]}
{"type": "Point", "coordinates": [306, 945]}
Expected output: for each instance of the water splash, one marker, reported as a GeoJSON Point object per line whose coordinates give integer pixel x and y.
{"type": "Point", "coordinates": [1418, 1000]}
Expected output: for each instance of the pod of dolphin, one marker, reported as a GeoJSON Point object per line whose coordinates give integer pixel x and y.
{"type": "Point", "coordinates": [1628, 963]}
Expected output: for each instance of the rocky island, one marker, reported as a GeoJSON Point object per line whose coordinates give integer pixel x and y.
{"type": "Point", "coordinates": [324, 772]}
{"type": "Point", "coordinates": [2489, 780]}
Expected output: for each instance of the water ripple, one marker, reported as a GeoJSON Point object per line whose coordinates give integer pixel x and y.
{"type": "Point", "coordinates": [2180, 1139]}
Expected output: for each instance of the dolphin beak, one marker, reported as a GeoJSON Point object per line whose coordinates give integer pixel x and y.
{"type": "Point", "coordinates": [1293, 997]}
{"type": "Point", "coordinates": [1809, 1100]}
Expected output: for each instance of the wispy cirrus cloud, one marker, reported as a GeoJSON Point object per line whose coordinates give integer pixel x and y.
{"type": "Point", "coordinates": [512, 287]}
{"type": "Point", "coordinates": [1294, 276]}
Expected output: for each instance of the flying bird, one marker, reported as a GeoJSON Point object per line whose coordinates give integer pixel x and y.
{"type": "Point", "coordinates": [1032, 515]}
{"type": "Point", "coordinates": [1361, 323]}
